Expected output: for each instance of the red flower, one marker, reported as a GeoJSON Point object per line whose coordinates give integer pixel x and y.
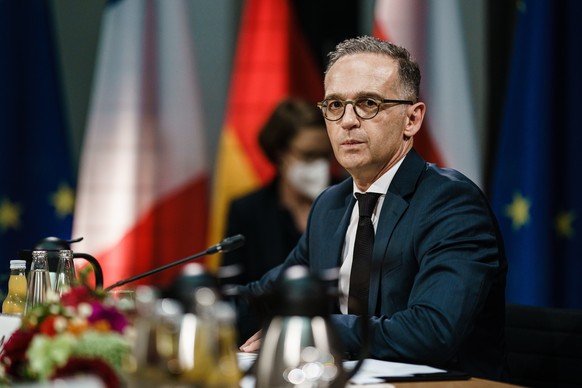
{"type": "Point", "coordinates": [13, 356]}
{"type": "Point", "coordinates": [77, 295]}
{"type": "Point", "coordinates": [89, 366]}
{"type": "Point", "coordinates": [47, 326]}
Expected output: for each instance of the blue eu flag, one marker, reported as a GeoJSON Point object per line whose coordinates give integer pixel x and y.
{"type": "Point", "coordinates": [537, 186]}
{"type": "Point", "coordinates": [36, 178]}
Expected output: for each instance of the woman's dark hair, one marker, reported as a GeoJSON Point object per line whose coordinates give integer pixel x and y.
{"type": "Point", "coordinates": [288, 118]}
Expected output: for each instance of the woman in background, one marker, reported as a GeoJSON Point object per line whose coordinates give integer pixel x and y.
{"type": "Point", "coordinates": [272, 218]}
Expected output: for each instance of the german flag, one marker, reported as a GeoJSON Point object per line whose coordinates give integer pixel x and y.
{"type": "Point", "coordinates": [272, 62]}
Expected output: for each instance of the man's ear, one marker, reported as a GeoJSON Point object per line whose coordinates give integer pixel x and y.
{"type": "Point", "coordinates": [415, 115]}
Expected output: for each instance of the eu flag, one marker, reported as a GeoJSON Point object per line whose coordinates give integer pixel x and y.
{"type": "Point", "coordinates": [36, 185]}
{"type": "Point", "coordinates": [537, 187]}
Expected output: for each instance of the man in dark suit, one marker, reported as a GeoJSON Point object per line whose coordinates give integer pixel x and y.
{"type": "Point", "coordinates": [437, 280]}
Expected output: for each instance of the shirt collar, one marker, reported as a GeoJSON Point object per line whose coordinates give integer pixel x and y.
{"type": "Point", "coordinates": [381, 184]}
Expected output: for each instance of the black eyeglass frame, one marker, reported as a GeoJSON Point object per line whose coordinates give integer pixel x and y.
{"type": "Point", "coordinates": [323, 106]}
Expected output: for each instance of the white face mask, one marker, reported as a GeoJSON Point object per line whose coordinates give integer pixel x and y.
{"type": "Point", "coordinates": [309, 178]}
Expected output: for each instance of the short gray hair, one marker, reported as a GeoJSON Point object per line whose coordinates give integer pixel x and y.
{"type": "Point", "coordinates": [408, 69]}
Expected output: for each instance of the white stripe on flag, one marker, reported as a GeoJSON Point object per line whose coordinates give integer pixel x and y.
{"type": "Point", "coordinates": [145, 138]}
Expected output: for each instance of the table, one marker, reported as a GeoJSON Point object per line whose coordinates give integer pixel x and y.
{"type": "Point", "coordinates": [370, 367]}
{"type": "Point", "coordinates": [471, 383]}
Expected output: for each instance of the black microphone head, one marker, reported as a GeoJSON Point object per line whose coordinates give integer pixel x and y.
{"type": "Point", "coordinates": [227, 245]}
{"type": "Point", "coordinates": [232, 243]}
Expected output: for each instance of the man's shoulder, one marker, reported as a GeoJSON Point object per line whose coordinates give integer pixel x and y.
{"type": "Point", "coordinates": [419, 176]}
{"type": "Point", "coordinates": [444, 175]}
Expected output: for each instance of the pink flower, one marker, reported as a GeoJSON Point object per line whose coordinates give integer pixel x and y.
{"type": "Point", "coordinates": [110, 314]}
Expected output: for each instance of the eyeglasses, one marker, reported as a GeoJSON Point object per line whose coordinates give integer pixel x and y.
{"type": "Point", "coordinates": [365, 107]}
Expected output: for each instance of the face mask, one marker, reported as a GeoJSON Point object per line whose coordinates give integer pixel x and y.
{"type": "Point", "coordinates": [309, 178]}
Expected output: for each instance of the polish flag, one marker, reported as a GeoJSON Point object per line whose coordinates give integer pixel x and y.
{"type": "Point", "coordinates": [432, 31]}
{"type": "Point", "coordinates": [142, 195]}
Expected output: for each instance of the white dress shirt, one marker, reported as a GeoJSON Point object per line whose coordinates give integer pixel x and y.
{"type": "Point", "coordinates": [379, 186]}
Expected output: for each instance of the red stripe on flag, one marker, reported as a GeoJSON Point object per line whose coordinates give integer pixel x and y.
{"type": "Point", "coordinates": [142, 194]}
{"type": "Point", "coordinates": [159, 237]}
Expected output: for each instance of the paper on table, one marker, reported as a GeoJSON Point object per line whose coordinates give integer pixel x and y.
{"type": "Point", "coordinates": [246, 360]}
{"type": "Point", "coordinates": [371, 370]}
{"type": "Point", "coordinates": [369, 373]}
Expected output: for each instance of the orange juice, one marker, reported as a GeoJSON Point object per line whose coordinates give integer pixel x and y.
{"type": "Point", "coordinates": [16, 298]}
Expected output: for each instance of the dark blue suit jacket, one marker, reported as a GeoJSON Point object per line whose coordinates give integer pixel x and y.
{"type": "Point", "coordinates": [438, 283]}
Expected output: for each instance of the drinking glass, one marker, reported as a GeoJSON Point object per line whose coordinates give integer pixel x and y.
{"type": "Point", "coordinates": [39, 282]}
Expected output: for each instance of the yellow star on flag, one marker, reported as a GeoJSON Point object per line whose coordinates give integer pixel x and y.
{"type": "Point", "coordinates": [63, 200]}
{"type": "Point", "coordinates": [564, 221]}
{"type": "Point", "coordinates": [518, 211]}
{"type": "Point", "coordinates": [9, 215]}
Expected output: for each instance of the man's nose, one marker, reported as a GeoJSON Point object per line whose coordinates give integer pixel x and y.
{"type": "Point", "coordinates": [350, 118]}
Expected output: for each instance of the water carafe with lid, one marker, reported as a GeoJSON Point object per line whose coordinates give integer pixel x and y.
{"type": "Point", "coordinates": [300, 346]}
{"type": "Point", "coordinates": [53, 246]}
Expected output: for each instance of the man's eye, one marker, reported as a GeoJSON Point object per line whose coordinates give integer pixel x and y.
{"type": "Point", "coordinates": [368, 103]}
{"type": "Point", "coordinates": [334, 104]}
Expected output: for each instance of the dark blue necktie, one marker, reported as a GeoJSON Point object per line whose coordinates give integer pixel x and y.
{"type": "Point", "coordinates": [362, 258]}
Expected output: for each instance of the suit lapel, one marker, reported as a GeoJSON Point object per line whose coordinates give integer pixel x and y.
{"type": "Point", "coordinates": [395, 204]}
{"type": "Point", "coordinates": [332, 228]}
{"type": "Point", "coordinates": [339, 221]}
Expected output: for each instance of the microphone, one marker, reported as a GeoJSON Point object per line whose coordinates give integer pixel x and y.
{"type": "Point", "coordinates": [226, 245]}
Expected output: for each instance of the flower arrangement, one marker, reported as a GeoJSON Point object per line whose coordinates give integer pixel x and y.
{"type": "Point", "coordinates": [82, 333]}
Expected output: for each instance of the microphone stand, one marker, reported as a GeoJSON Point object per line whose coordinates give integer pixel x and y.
{"type": "Point", "coordinates": [156, 270]}
{"type": "Point", "coordinates": [226, 245]}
